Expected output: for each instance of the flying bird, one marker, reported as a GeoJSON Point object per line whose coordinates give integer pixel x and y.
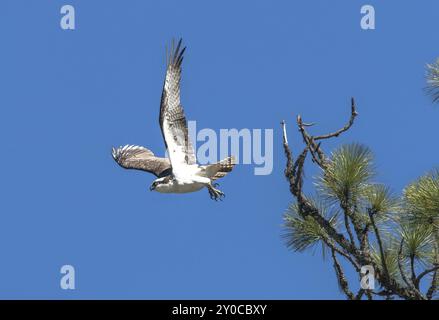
{"type": "Point", "coordinates": [179, 173]}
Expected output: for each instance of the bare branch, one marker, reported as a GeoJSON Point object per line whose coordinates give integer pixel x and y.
{"type": "Point", "coordinates": [424, 273]}
{"type": "Point", "coordinates": [341, 277]}
{"type": "Point", "coordinates": [316, 152]}
{"type": "Point", "coordinates": [294, 170]}
{"type": "Point", "coordinates": [369, 295]}
{"type": "Point", "coordinates": [401, 269]}
{"type": "Point", "coordinates": [412, 268]}
{"type": "Point", "coordinates": [334, 247]}
{"type": "Point", "coordinates": [289, 170]}
{"type": "Point", "coordinates": [348, 228]}
{"type": "Point", "coordinates": [354, 114]}
{"type": "Point", "coordinates": [360, 294]}
{"type": "Point", "coordinates": [434, 279]}
{"type": "Point", "coordinates": [298, 167]}
{"type": "Point", "coordinates": [433, 286]}
{"type": "Point", "coordinates": [380, 245]}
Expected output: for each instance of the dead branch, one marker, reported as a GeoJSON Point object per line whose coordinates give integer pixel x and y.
{"type": "Point", "coordinates": [354, 114]}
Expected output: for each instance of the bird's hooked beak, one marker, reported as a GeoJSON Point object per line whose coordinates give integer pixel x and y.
{"type": "Point", "coordinates": [152, 187]}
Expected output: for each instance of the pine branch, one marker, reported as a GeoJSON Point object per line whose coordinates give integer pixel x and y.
{"type": "Point", "coordinates": [433, 287]}
{"type": "Point", "coordinates": [423, 274]}
{"type": "Point", "coordinates": [306, 208]}
{"type": "Point", "coordinates": [357, 256]}
{"type": "Point", "coordinates": [380, 245]}
{"type": "Point", "coordinates": [343, 283]}
{"type": "Point", "coordinates": [348, 228]}
{"type": "Point", "coordinates": [334, 247]}
{"type": "Point", "coordinates": [412, 269]}
{"type": "Point", "coordinates": [434, 279]}
{"type": "Point", "coordinates": [401, 269]}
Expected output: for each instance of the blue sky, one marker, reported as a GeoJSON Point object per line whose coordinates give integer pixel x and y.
{"type": "Point", "coordinates": [66, 97]}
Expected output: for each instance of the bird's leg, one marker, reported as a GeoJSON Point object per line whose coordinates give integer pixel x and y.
{"type": "Point", "coordinates": [215, 194]}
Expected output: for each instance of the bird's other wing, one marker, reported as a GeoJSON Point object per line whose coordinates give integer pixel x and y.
{"type": "Point", "coordinates": [172, 119]}
{"type": "Point", "coordinates": [140, 158]}
{"type": "Point", "coordinates": [219, 169]}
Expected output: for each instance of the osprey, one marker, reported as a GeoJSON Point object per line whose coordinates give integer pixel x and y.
{"type": "Point", "coordinates": [179, 173]}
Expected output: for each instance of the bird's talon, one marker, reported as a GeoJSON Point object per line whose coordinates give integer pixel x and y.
{"type": "Point", "coordinates": [215, 194]}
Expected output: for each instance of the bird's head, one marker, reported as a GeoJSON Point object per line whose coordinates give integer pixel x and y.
{"type": "Point", "coordinates": [159, 182]}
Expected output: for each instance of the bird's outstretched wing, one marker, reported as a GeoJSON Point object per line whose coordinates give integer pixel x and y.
{"type": "Point", "coordinates": [220, 169]}
{"type": "Point", "coordinates": [140, 158]}
{"type": "Point", "coordinates": [172, 119]}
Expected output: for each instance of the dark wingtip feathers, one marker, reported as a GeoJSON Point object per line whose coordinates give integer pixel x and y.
{"type": "Point", "coordinates": [175, 55]}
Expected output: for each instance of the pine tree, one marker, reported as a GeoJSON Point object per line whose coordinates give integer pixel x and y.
{"type": "Point", "coordinates": [361, 222]}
